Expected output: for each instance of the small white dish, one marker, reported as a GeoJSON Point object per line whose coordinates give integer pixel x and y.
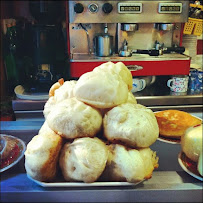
{"type": "Point", "coordinates": [22, 94]}
{"type": "Point", "coordinates": [188, 166]}
{"type": "Point", "coordinates": [168, 140]}
{"type": "Point", "coordinates": [20, 153]}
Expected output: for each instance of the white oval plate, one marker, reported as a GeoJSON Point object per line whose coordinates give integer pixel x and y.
{"type": "Point", "coordinates": [187, 168]}
{"type": "Point", "coordinates": [81, 184]}
{"type": "Point", "coordinates": [169, 141]}
{"type": "Point", "coordinates": [21, 94]}
{"type": "Point", "coordinates": [22, 147]}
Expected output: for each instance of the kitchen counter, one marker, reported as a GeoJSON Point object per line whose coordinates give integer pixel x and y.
{"type": "Point", "coordinates": [137, 57]}
{"type": "Point", "coordinates": [169, 183]}
{"type": "Point", "coordinates": [167, 186]}
{"type": "Point", "coordinates": [147, 100]}
{"type": "Point", "coordinates": [152, 97]}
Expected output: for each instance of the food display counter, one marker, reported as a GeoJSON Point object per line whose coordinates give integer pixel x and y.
{"type": "Point", "coordinates": [169, 183]}
{"type": "Point", "coordinates": [165, 186]}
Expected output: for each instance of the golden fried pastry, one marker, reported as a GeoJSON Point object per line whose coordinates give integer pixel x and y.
{"type": "Point", "coordinates": [101, 89]}
{"type": "Point", "coordinates": [173, 123]}
{"type": "Point", "coordinates": [41, 156]}
{"type": "Point", "coordinates": [83, 160]}
{"type": "Point", "coordinates": [132, 124]}
{"type": "Point", "coordinates": [131, 165]}
{"type": "Point", "coordinates": [191, 142]}
{"type": "Point", "coordinates": [72, 118]}
{"type": "Point", "coordinates": [118, 68]}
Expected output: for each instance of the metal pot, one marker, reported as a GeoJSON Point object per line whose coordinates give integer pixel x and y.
{"type": "Point", "coordinates": [103, 45]}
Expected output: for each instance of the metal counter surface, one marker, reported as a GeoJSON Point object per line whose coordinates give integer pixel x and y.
{"type": "Point", "coordinates": [169, 183]}
{"type": "Point", "coordinates": [147, 100]}
{"type": "Point", "coordinates": [163, 186]}
{"type": "Point", "coordinates": [150, 97]}
{"type": "Point", "coordinates": [135, 57]}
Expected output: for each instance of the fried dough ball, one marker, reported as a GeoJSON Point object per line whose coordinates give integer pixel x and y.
{"type": "Point", "coordinates": [62, 92]}
{"type": "Point", "coordinates": [41, 156]}
{"type": "Point", "coordinates": [132, 124]}
{"type": "Point", "coordinates": [65, 91]}
{"type": "Point", "coordinates": [72, 118]}
{"type": "Point", "coordinates": [101, 89]}
{"type": "Point", "coordinates": [83, 160]}
{"type": "Point", "coordinates": [131, 165]}
{"type": "Point", "coordinates": [118, 68]}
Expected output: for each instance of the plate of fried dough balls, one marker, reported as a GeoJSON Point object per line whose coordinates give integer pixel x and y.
{"type": "Point", "coordinates": [95, 133]}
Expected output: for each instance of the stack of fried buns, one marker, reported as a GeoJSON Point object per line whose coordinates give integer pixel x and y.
{"type": "Point", "coordinates": [94, 130]}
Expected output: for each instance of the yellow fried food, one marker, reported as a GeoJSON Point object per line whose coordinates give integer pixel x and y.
{"type": "Point", "coordinates": [173, 123]}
